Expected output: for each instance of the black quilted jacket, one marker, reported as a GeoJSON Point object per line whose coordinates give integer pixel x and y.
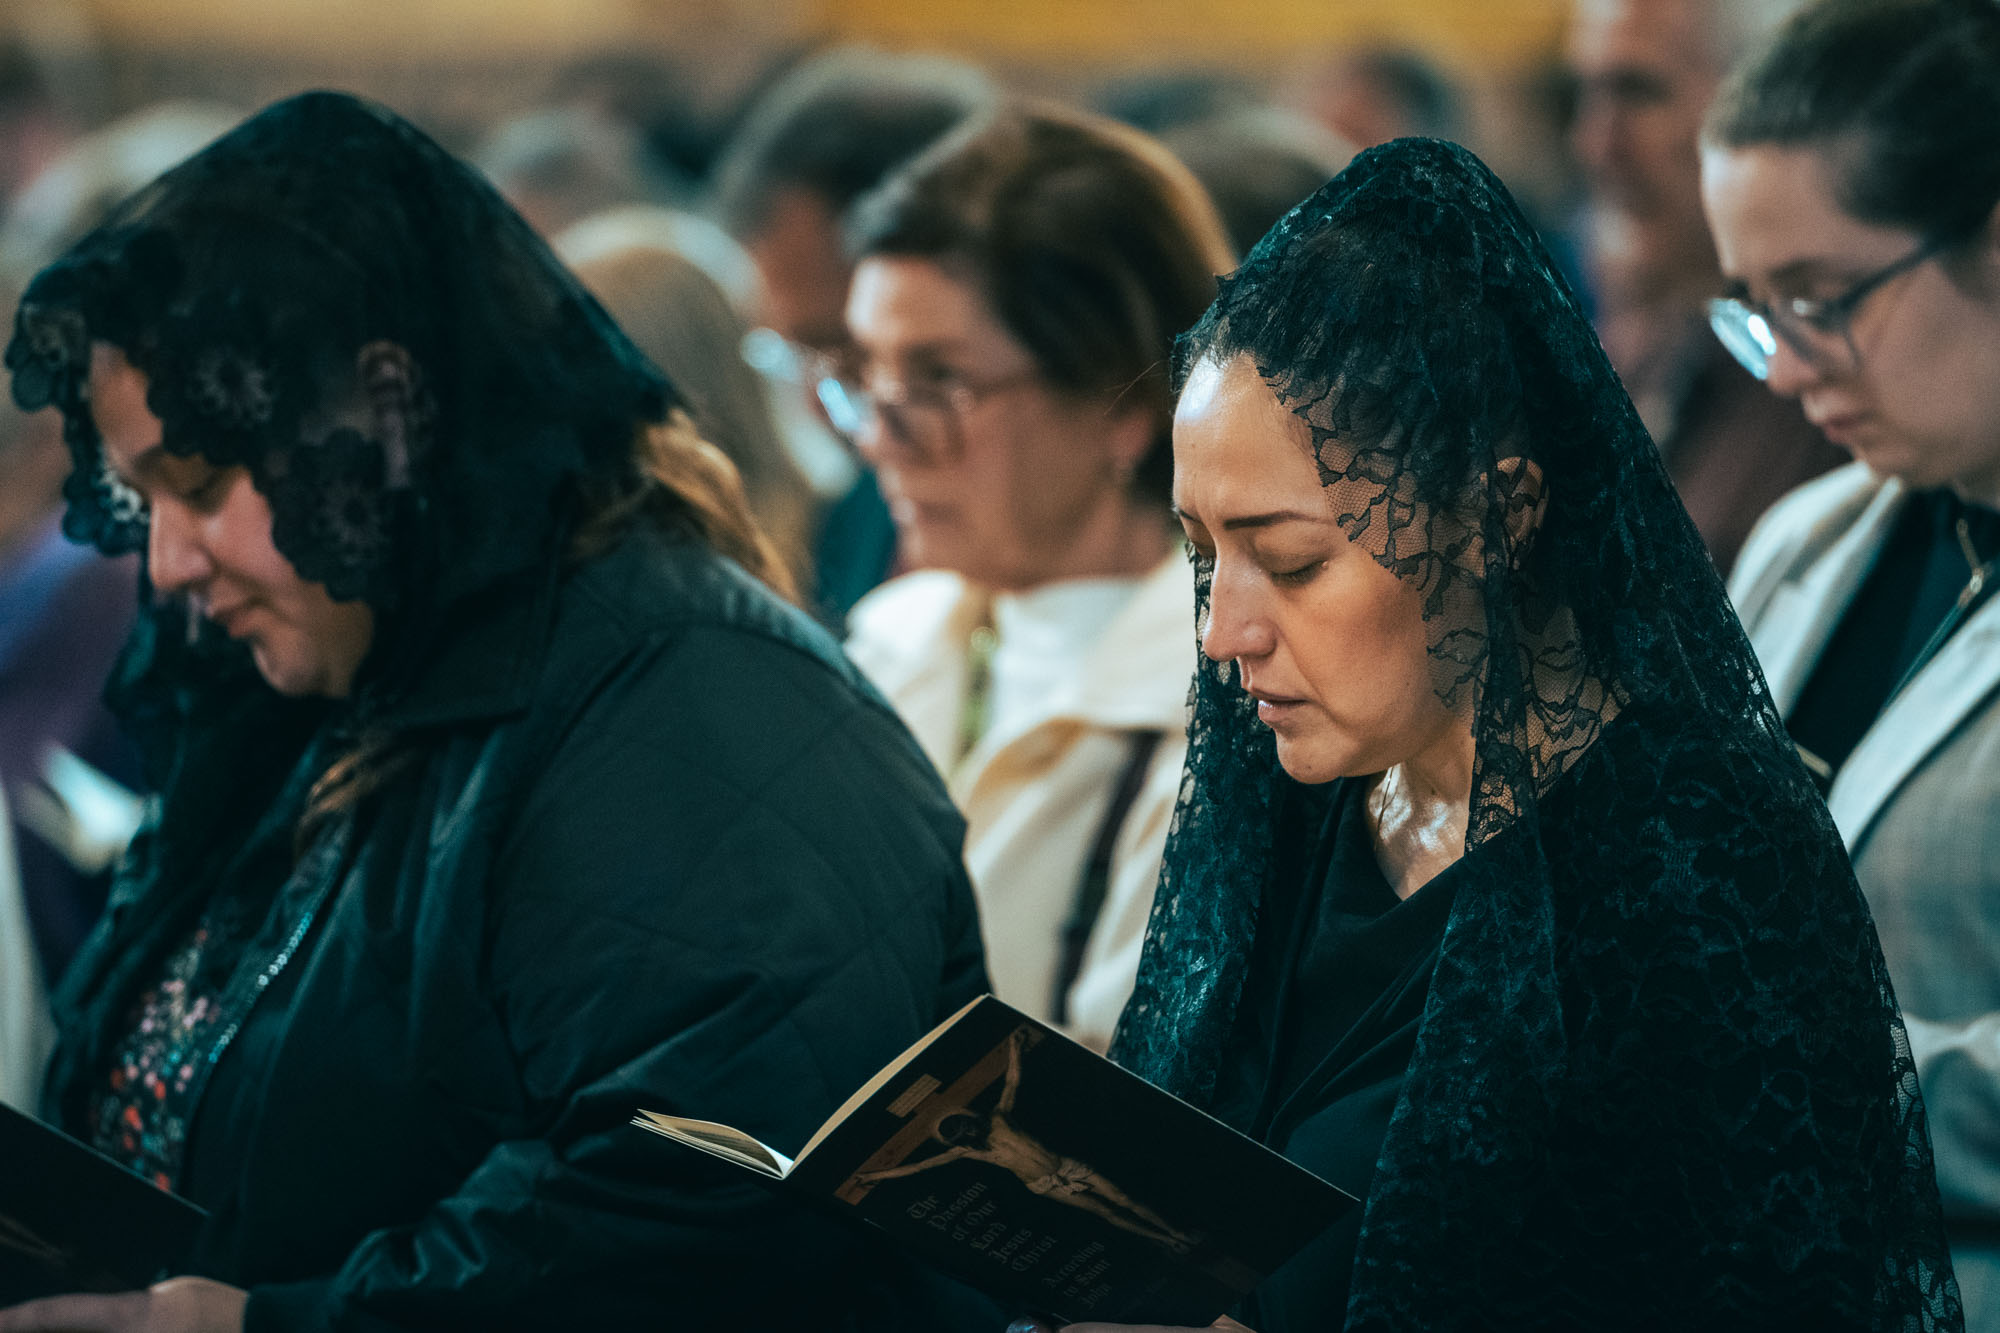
{"type": "Point", "coordinates": [661, 848]}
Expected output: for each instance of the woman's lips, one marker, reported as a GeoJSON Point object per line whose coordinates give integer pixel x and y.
{"type": "Point", "coordinates": [908, 512]}
{"type": "Point", "coordinates": [229, 618]}
{"type": "Point", "coordinates": [1274, 709]}
{"type": "Point", "coordinates": [1841, 428]}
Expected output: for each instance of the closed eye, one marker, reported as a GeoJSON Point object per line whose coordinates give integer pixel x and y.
{"type": "Point", "coordinates": [195, 483]}
{"type": "Point", "coordinates": [203, 494]}
{"type": "Point", "coordinates": [1294, 578]}
{"type": "Point", "coordinates": [208, 490]}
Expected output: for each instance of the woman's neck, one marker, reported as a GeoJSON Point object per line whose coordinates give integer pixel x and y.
{"type": "Point", "coordinates": [1980, 489]}
{"type": "Point", "coordinates": [1122, 539]}
{"type": "Point", "coordinates": [1420, 809]}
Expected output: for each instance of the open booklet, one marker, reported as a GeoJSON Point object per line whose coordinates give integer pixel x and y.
{"type": "Point", "coordinates": [1027, 1166]}
{"type": "Point", "coordinates": [71, 1219]}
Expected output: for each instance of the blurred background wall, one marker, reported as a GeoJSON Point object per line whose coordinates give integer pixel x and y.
{"type": "Point", "coordinates": [456, 65]}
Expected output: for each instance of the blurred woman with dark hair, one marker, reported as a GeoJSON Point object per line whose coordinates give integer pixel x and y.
{"type": "Point", "coordinates": [1017, 295]}
{"type": "Point", "coordinates": [500, 791]}
{"type": "Point", "coordinates": [1852, 178]}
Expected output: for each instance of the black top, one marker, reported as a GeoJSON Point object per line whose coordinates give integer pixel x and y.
{"type": "Point", "coordinates": [1920, 572]}
{"type": "Point", "coordinates": [1330, 1018]}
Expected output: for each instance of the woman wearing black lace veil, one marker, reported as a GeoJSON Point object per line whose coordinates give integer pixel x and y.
{"type": "Point", "coordinates": [497, 803]}
{"type": "Point", "coordinates": [1496, 894]}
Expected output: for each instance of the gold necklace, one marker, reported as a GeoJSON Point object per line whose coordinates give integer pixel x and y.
{"type": "Point", "coordinates": [972, 715]}
{"type": "Point", "coordinates": [1981, 570]}
{"type": "Point", "coordinates": [1969, 599]}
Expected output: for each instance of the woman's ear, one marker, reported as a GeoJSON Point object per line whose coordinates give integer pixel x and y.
{"type": "Point", "coordinates": [388, 376]}
{"type": "Point", "coordinates": [1130, 431]}
{"type": "Point", "coordinates": [1520, 490]}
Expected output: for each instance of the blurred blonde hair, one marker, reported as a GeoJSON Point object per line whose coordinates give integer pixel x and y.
{"type": "Point", "coordinates": [683, 319]}
{"type": "Point", "coordinates": [699, 491]}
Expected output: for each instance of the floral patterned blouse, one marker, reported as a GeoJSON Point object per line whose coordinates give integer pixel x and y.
{"type": "Point", "coordinates": [141, 1116]}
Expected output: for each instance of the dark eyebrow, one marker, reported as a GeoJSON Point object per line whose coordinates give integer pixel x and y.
{"type": "Point", "coordinates": [1276, 516]}
{"type": "Point", "coordinates": [1256, 520]}
{"type": "Point", "coordinates": [147, 460]}
{"type": "Point", "coordinates": [937, 349]}
{"type": "Point", "coordinates": [1794, 274]}
{"type": "Point", "coordinates": [1790, 278]}
{"type": "Point", "coordinates": [1629, 84]}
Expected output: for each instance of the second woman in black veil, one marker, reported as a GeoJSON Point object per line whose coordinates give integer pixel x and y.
{"type": "Point", "coordinates": [1496, 894]}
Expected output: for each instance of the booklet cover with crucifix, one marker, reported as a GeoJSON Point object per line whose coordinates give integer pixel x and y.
{"type": "Point", "coordinates": [71, 1219]}
{"type": "Point", "coordinates": [1027, 1166]}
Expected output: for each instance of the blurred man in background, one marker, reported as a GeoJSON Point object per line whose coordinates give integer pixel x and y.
{"type": "Point", "coordinates": [1373, 94]}
{"type": "Point", "coordinates": [560, 164]}
{"type": "Point", "coordinates": [820, 138]}
{"type": "Point", "coordinates": [1645, 71]}
{"type": "Point", "coordinates": [814, 143]}
{"type": "Point", "coordinates": [1257, 163]}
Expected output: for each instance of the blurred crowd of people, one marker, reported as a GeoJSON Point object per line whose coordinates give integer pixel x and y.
{"type": "Point", "coordinates": [726, 259]}
{"type": "Point", "coordinates": [933, 325]}
{"type": "Point", "coordinates": [730, 258]}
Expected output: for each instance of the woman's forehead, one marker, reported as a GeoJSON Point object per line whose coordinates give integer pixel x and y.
{"type": "Point", "coordinates": [1238, 450]}
{"type": "Point", "coordinates": [1229, 390]}
{"type": "Point", "coordinates": [126, 426]}
{"type": "Point", "coordinates": [1775, 215]}
{"type": "Point", "coordinates": [915, 303]}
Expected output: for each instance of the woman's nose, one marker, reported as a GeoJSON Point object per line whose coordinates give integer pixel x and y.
{"type": "Point", "coordinates": [872, 439]}
{"type": "Point", "coordinates": [887, 445]}
{"type": "Point", "coordinates": [176, 560]}
{"type": "Point", "coordinates": [1235, 625]}
{"type": "Point", "coordinates": [1789, 372]}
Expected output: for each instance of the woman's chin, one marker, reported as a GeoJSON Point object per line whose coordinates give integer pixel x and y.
{"type": "Point", "coordinates": [284, 672]}
{"type": "Point", "coordinates": [1314, 760]}
{"type": "Point", "coordinates": [1893, 460]}
{"type": "Point", "coordinates": [918, 547]}
{"type": "Point", "coordinates": [283, 683]}
{"type": "Point", "coordinates": [966, 558]}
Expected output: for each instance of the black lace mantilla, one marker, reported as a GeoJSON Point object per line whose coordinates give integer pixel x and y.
{"type": "Point", "coordinates": [327, 298]}
{"type": "Point", "coordinates": [1661, 1080]}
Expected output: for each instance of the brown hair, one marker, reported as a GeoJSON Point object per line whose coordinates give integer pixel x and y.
{"type": "Point", "coordinates": [1902, 96]}
{"type": "Point", "coordinates": [689, 485]}
{"type": "Point", "coordinates": [1091, 242]}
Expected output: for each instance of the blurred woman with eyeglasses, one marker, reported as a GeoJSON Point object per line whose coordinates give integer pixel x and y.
{"type": "Point", "coordinates": [1852, 178]}
{"type": "Point", "coordinates": [1017, 294]}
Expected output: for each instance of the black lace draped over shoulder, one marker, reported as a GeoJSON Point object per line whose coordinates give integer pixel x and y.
{"type": "Point", "coordinates": [1661, 1080]}
{"type": "Point", "coordinates": [328, 298]}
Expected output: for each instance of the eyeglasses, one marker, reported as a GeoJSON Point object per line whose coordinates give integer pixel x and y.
{"type": "Point", "coordinates": [1820, 332]}
{"type": "Point", "coordinates": [927, 417]}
